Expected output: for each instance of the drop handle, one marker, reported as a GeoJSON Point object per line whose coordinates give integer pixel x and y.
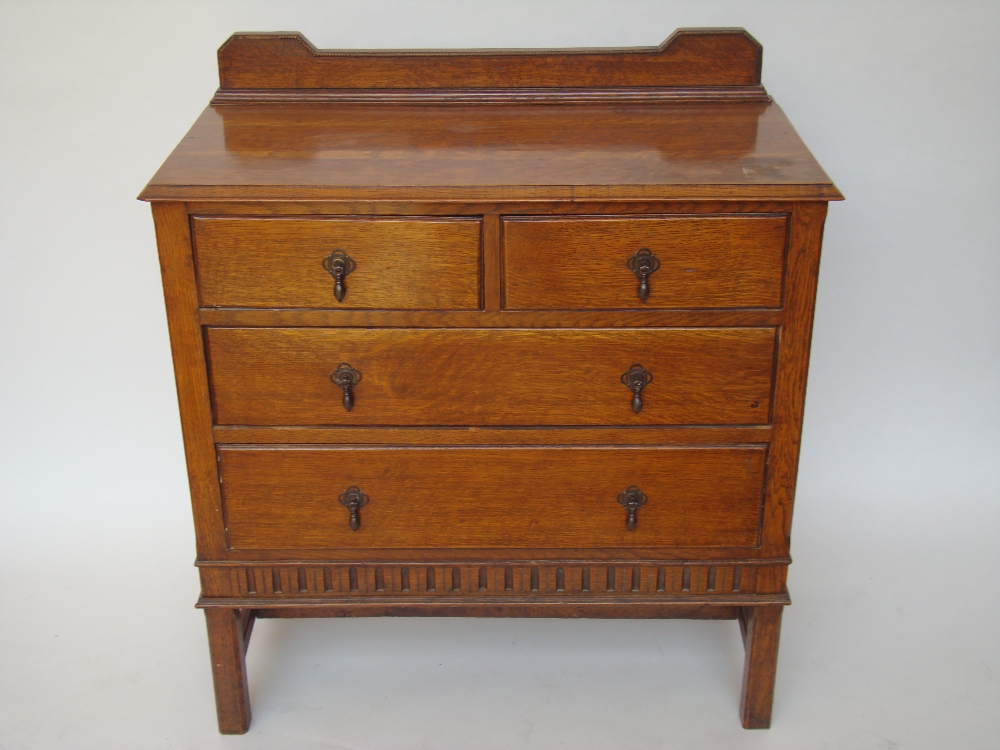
{"type": "Point", "coordinates": [635, 379]}
{"type": "Point", "coordinates": [354, 500]}
{"type": "Point", "coordinates": [643, 264]}
{"type": "Point", "coordinates": [346, 377]}
{"type": "Point", "coordinates": [338, 264]}
{"type": "Point", "coordinates": [632, 499]}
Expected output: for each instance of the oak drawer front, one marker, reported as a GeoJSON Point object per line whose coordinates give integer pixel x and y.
{"type": "Point", "coordinates": [277, 376]}
{"type": "Point", "coordinates": [412, 264]}
{"type": "Point", "coordinates": [298, 498]}
{"type": "Point", "coordinates": [699, 261]}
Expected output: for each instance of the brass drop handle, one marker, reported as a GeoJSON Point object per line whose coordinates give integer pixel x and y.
{"type": "Point", "coordinates": [338, 264]}
{"type": "Point", "coordinates": [635, 379]}
{"type": "Point", "coordinates": [632, 499]}
{"type": "Point", "coordinates": [643, 264]}
{"type": "Point", "coordinates": [354, 500]}
{"type": "Point", "coordinates": [346, 377]}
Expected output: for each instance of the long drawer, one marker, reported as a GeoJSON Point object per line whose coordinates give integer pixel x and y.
{"type": "Point", "coordinates": [600, 262]}
{"type": "Point", "coordinates": [276, 376]}
{"type": "Point", "coordinates": [539, 497]}
{"type": "Point", "coordinates": [387, 263]}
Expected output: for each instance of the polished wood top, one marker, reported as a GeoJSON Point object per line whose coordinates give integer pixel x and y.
{"type": "Point", "coordinates": [687, 119]}
{"type": "Point", "coordinates": [495, 152]}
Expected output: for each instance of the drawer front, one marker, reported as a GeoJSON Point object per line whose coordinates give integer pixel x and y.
{"type": "Point", "coordinates": [276, 376]}
{"type": "Point", "coordinates": [558, 497]}
{"type": "Point", "coordinates": [700, 262]}
{"type": "Point", "coordinates": [411, 264]}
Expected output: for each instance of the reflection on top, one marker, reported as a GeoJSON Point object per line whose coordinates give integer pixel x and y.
{"type": "Point", "coordinates": [705, 132]}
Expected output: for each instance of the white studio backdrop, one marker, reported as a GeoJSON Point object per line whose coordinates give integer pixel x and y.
{"type": "Point", "coordinates": [890, 642]}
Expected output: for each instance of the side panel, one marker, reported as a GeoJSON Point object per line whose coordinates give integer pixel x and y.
{"type": "Point", "coordinates": [180, 292]}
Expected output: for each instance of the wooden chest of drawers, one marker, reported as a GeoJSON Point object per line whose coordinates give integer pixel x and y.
{"type": "Point", "coordinates": [491, 334]}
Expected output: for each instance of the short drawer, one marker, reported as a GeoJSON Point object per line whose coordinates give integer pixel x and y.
{"type": "Point", "coordinates": [558, 497]}
{"type": "Point", "coordinates": [722, 261]}
{"type": "Point", "coordinates": [279, 376]}
{"type": "Point", "coordinates": [397, 264]}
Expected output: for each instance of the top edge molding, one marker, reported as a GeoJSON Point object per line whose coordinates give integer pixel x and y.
{"type": "Point", "coordinates": [724, 60]}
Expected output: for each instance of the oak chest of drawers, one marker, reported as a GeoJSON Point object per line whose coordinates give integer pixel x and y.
{"type": "Point", "coordinates": [491, 334]}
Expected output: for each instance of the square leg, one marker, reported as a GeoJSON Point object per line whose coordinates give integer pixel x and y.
{"type": "Point", "coordinates": [761, 627]}
{"type": "Point", "coordinates": [227, 635]}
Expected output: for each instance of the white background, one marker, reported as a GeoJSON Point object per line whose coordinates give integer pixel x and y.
{"type": "Point", "coordinates": [892, 638]}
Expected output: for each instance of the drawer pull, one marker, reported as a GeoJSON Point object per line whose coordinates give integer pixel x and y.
{"type": "Point", "coordinates": [642, 264]}
{"type": "Point", "coordinates": [637, 378]}
{"type": "Point", "coordinates": [632, 499]}
{"type": "Point", "coordinates": [346, 377]}
{"type": "Point", "coordinates": [354, 500]}
{"type": "Point", "coordinates": [338, 264]}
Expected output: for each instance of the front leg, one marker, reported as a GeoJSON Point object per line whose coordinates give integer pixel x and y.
{"type": "Point", "coordinates": [761, 627]}
{"type": "Point", "coordinates": [227, 647]}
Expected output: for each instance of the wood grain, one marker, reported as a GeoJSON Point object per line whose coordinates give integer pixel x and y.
{"type": "Point", "coordinates": [705, 261]}
{"type": "Point", "coordinates": [227, 647]}
{"type": "Point", "coordinates": [762, 627]}
{"type": "Point", "coordinates": [688, 58]}
{"type": "Point", "coordinates": [287, 498]}
{"type": "Point", "coordinates": [534, 96]}
{"type": "Point", "coordinates": [275, 376]}
{"type": "Point", "coordinates": [278, 318]}
{"type": "Point", "coordinates": [180, 293]}
{"type": "Point", "coordinates": [449, 208]}
{"type": "Point", "coordinates": [492, 284]}
{"type": "Point", "coordinates": [422, 555]}
{"type": "Point", "coordinates": [802, 274]}
{"type": "Point", "coordinates": [728, 582]}
{"type": "Point", "coordinates": [499, 153]}
{"type": "Point", "coordinates": [535, 608]}
{"type": "Point", "coordinates": [278, 262]}
{"type": "Point", "coordinates": [493, 435]}
{"type": "Point", "coordinates": [490, 200]}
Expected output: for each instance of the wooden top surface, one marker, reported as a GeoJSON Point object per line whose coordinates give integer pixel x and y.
{"type": "Point", "coordinates": [684, 120]}
{"type": "Point", "coordinates": [491, 152]}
